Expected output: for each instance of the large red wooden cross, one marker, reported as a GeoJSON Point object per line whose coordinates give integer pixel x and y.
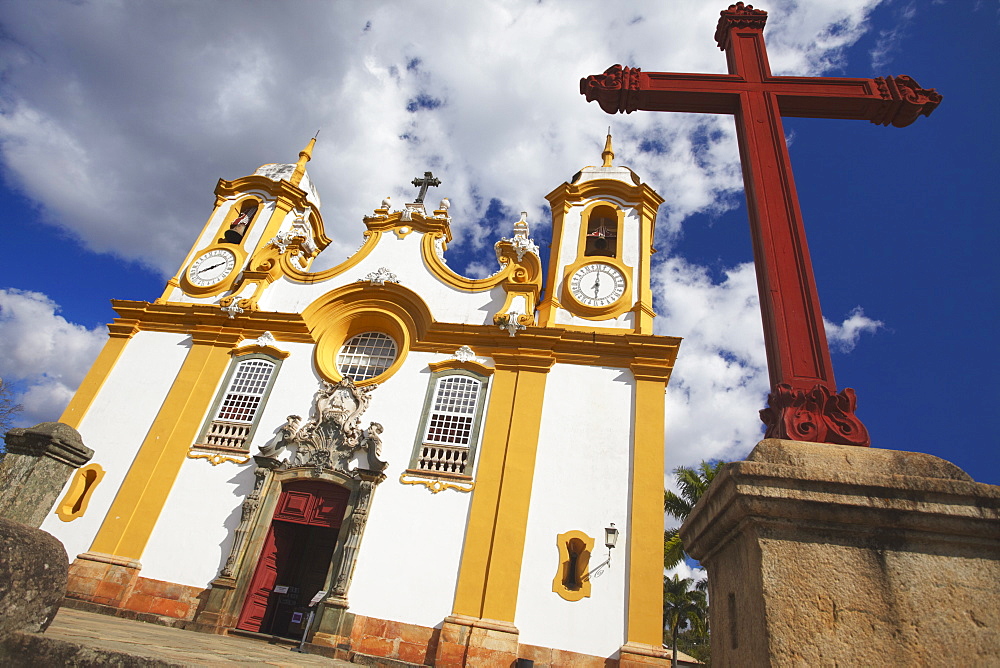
{"type": "Point", "coordinates": [804, 403]}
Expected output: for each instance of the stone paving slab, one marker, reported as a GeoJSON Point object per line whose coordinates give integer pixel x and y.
{"type": "Point", "coordinates": [153, 645]}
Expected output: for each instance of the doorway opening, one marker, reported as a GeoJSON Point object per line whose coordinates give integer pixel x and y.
{"type": "Point", "coordinates": [296, 558]}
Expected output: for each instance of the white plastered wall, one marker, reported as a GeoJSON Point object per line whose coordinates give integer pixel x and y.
{"type": "Point", "coordinates": [194, 535]}
{"type": "Point", "coordinates": [191, 541]}
{"type": "Point", "coordinates": [581, 482]}
{"type": "Point", "coordinates": [407, 567]}
{"type": "Point", "coordinates": [117, 422]}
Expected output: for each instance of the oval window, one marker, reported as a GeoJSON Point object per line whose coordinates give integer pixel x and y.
{"type": "Point", "coordinates": [366, 355]}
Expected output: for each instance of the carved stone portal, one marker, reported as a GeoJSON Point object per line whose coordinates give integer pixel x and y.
{"type": "Point", "coordinates": [326, 444]}
{"type": "Point", "coordinates": [330, 439]}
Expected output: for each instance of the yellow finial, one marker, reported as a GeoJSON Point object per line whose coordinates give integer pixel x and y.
{"type": "Point", "coordinates": [609, 153]}
{"type": "Point", "coordinates": [304, 156]}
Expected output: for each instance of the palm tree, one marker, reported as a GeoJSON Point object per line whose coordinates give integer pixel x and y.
{"type": "Point", "coordinates": [682, 607]}
{"type": "Point", "coordinates": [692, 483]}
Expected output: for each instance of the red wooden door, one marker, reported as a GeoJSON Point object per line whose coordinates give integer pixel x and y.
{"type": "Point", "coordinates": [311, 503]}
{"type": "Point", "coordinates": [276, 548]}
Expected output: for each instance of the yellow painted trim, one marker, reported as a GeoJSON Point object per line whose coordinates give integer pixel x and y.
{"type": "Point", "coordinates": [645, 553]}
{"type": "Point", "coordinates": [383, 221]}
{"type": "Point", "coordinates": [585, 215]}
{"type": "Point", "coordinates": [187, 318]}
{"type": "Point", "coordinates": [120, 334]}
{"type": "Point", "coordinates": [270, 351]}
{"type": "Point", "coordinates": [558, 585]}
{"type": "Point", "coordinates": [593, 346]}
{"type": "Point", "coordinates": [144, 491]}
{"type": "Point", "coordinates": [215, 458]}
{"type": "Point", "coordinates": [298, 275]}
{"type": "Point", "coordinates": [457, 281]}
{"type": "Point", "coordinates": [436, 484]}
{"type": "Point", "coordinates": [494, 541]}
{"type": "Point", "coordinates": [360, 307]}
{"type": "Point", "coordinates": [475, 367]}
{"type": "Point", "coordinates": [77, 497]}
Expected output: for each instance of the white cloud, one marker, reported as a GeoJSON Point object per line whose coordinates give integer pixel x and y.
{"type": "Point", "coordinates": [684, 571]}
{"type": "Point", "coordinates": [44, 355]}
{"type": "Point", "coordinates": [889, 40]}
{"type": "Point", "coordinates": [844, 337]}
{"type": "Point", "coordinates": [720, 379]}
{"type": "Point", "coordinates": [118, 117]}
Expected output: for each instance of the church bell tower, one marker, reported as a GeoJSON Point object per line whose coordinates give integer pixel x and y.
{"type": "Point", "coordinates": [602, 240]}
{"type": "Point", "coordinates": [263, 225]}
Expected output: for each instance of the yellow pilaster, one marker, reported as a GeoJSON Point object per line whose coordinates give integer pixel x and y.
{"type": "Point", "coordinates": [645, 565]}
{"type": "Point", "coordinates": [120, 334]}
{"type": "Point", "coordinates": [494, 543]}
{"type": "Point", "coordinates": [143, 493]}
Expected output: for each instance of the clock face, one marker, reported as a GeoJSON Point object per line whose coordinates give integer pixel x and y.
{"type": "Point", "coordinates": [597, 284]}
{"type": "Point", "coordinates": [211, 267]}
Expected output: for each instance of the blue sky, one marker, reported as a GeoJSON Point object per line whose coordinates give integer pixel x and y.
{"type": "Point", "coordinates": [117, 119]}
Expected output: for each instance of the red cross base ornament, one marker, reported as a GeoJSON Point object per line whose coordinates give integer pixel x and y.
{"type": "Point", "coordinates": [804, 404]}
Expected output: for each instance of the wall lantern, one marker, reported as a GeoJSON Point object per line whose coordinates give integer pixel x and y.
{"type": "Point", "coordinates": [610, 536]}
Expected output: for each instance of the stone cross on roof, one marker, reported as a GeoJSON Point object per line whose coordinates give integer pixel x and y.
{"type": "Point", "coordinates": [422, 183]}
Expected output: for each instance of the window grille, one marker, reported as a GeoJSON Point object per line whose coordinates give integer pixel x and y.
{"type": "Point", "coordinates": [366, 355]}
{"type": "Point", "coordinates": [245, 392]}
{"type": "Point", "coordinates": [454, 411]}
{"type": "Point", "coordinates": [450, 425]}
{"type": "Point", "coordinates": [233, 422]}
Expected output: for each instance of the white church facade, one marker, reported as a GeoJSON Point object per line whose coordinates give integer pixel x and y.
{"type": "Point", "coordinates": [387, 456]}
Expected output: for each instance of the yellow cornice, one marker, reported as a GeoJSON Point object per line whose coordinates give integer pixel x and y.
{"type": "Point", "coordinates": [561, 344]}
{"type": "Point", "coordinates": [278, 189]}
{"type": "Point", "coordinates": [190, 318]}
{"type": "Point", "coordinates": [633, 195]}
{"type": "Point", "coordinates": [653, 356]}
{"type": "Point", "coordinates": [123, 328]}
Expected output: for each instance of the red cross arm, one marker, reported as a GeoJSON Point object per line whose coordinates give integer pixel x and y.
{"type": "Point", "coordinates": [890, 100]}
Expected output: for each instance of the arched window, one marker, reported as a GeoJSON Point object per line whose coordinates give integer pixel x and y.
{"type": "Point", "coordinates": [237, 409]}
{"type": "Point", "coordinates": [366, 355]}
{"type": "Point", "coordinates": [602, 233]}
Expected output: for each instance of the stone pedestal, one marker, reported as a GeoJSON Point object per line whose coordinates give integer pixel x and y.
{"type": "Point", "coordinates": [635, 655]}
{"type": "Point", "coordinates": [104, 579]}
{"type": "Point", "coordinates": [822, 554]}
{"type": "Point", "coordinates": [470, 641]}
{"type": "Point", "coordinates": [39, 461]}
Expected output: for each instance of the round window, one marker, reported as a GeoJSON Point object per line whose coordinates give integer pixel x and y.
{"type": "Point", "coordinates": [366, 355]}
